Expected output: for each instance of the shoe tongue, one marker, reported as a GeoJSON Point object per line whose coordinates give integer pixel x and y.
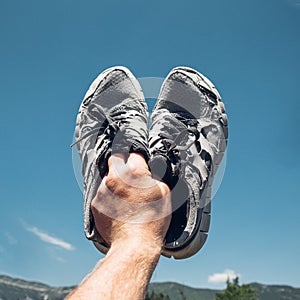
{"type": "Point", "coordinates": [161, 169]}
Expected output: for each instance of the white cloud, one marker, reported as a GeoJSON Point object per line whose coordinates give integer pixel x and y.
{"type": "Point", "coordinates": [45, 237]}
{"type": "Point", "coordinates": [222, 277]}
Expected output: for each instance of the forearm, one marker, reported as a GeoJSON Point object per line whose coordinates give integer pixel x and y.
{"type": "Point", "coordinates": [123, 274]}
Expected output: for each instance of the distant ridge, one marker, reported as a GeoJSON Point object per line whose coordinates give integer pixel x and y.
{"type": "Point", "coordinates": [177, 291]}
{"type": "Point", "coordinates": [18, 289]}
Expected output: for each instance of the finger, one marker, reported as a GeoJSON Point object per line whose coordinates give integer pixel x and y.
{"type": "Point", "coordinates": [116, 165]}
{"type": "Point", "coordinates": [103, 182]}
{"type": "Point", "coordinates": [101, 190]}
{"type": "Point", "coordinates": [116, 159]}
{"type": "Point", "coordinates": [138, 159]}
{"type": "Point", "coordinates": [165, 190]}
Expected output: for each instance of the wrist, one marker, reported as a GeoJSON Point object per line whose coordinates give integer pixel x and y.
{"type": "Point", "coordinates": [147, 235]}
{"type": "Point", "coordinates": [138, 245]}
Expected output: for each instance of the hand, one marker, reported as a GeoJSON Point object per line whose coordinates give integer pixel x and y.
{"type": "Point", "coordinates": [131, 205]}
{"type": "Point", "coordinates": [132, 212]}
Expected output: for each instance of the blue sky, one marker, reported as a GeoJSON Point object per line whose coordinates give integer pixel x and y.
{"type": "Point", "coordinates": [51, 51]}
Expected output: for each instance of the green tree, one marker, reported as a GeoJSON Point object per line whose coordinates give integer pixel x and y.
{"type": "Point", "coordinates": [154, 296]}
{"type": "Point", "coordinates": [234, 291]}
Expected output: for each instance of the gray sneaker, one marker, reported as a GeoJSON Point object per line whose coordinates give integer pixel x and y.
{"type": "Point", "coordinates": [113, 117]}
{"type": "Point", "coordinates": [187, 141]}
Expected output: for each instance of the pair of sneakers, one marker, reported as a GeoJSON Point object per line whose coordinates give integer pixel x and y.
{"type": "Point", "coordinates": [183, 148]}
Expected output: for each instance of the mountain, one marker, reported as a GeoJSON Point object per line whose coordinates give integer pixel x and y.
{"type": "Point", "coordinates": [276, 292]}
{"type": "Point", "coordinates": [17, 289]}
{"type": "Point", "coordinates": [177, 291]}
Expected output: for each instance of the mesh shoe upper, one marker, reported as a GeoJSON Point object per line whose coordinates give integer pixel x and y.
{"type": "Point", "coordinates": [187, 141]}
{"type": "Point", "coordinates": [112, 118]}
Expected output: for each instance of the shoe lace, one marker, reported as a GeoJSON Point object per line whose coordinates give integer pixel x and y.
{"type": "Point", "coordinates": [108, 127]}
{"type": "Point", "coordinates": [173, 146]}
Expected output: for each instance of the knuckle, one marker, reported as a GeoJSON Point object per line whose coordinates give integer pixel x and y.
{"type": "Point", "coordinates": [112, 182]}
{"type": "Point", "coordinates": [134, 170]}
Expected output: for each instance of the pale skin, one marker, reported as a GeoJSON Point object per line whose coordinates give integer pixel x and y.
{"type": "Point", "coordinates": [135, 248]}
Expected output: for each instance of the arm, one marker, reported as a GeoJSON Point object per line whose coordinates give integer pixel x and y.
{"type": "Point", "coordinates": [123, 274]}
{"type": "Point", "coordinates": [135, 246]}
